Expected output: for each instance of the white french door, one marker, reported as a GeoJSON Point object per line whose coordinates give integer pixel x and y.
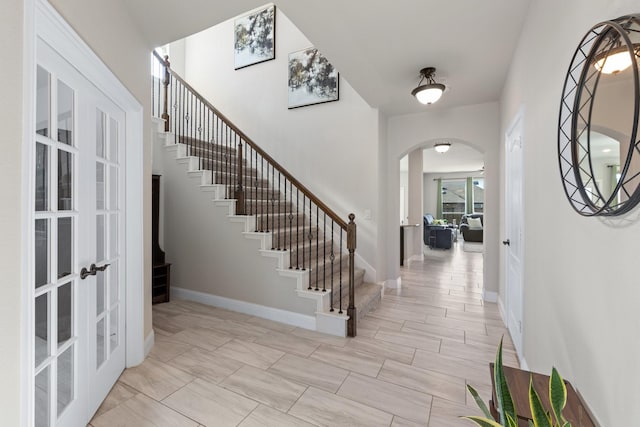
{"type": "Point", "coordinates": [78, 335]}
{"type": "Point", "coordinates": [100, 220]}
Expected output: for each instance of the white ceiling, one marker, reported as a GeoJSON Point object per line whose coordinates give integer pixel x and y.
{"type": "Point", "coordinates": [459, 158]}
{"type": "Point", "coordinates": [378, 46]}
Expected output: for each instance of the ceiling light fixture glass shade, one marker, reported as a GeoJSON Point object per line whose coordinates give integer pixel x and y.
{"type": "Point", "coordinates": [430, 92]}
{"type": "Point", "coordinates": [442, 147]}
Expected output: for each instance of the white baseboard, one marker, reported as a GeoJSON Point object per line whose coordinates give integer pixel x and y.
{"type": "Point", "coordinates": [490, 296]}
{"type": "Point", "coordinates": [503, 313]}
{"type": "Point", "coordinates": [392, 283]}
{"type": "Point", "coordinates": [148, 342]}
{"type": "Point", "coordinates": [270, 313]}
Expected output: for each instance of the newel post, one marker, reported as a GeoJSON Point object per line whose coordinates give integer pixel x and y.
{"type": "Point", "coordinates": [351, 246]}
{"type": "Point", "coordinates": [240, 188]}
{"type": "Point", "coordinates": [165, 84]}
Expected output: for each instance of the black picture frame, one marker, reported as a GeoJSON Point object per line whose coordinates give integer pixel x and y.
{"type": "Point", "coordinates": [311, 79]}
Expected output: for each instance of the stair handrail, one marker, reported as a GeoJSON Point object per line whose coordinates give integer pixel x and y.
{"type": "Point", "coordinates": [249, 141]}
{"type": "Point", "coordinates": [350, 227]}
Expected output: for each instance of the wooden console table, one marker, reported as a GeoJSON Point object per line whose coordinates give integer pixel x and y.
{"type": "Point", "coordinates": [518, 380]}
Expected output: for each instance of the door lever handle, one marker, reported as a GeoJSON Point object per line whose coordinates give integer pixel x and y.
{"type": "Point", "coordinates": [84, 273]}
{"type": "Point", "coordinates": [506, 242]}
{"type": "Point", "coordinates": [92, 271]}
{"type": "Point", "coordinates": [102, 268]}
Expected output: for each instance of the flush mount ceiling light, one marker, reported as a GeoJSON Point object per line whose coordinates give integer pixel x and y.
{"type": "Point", "coordinates": [442, 147]}
{"type": "Point", "coordinates": [430, 92]}
{"type": "Point", "coordinates": [615, 60]}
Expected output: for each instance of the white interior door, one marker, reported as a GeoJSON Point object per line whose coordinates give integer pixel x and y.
{"type": "Point", "coordinates": [514, 228]}
{"type": "Point", "coordinates": [100, 220]}
{"type": "Point", "coordinates": [78, 322]}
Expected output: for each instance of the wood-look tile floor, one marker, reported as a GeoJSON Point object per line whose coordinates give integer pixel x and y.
{"type": "Point", "coordinates": [408, 366]}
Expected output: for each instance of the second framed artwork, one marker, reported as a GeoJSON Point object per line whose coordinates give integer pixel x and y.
{"type": "Point", "coordinates": [312, 79]}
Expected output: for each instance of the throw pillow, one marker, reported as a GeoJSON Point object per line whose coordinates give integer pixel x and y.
{"type": "Point", "coordinates": [474, 223]}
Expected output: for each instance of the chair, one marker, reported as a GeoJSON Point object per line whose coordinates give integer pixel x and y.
{"type": "Point", "coordinates": [427, 221]}
{"type": "Point", "coordinates": [472, 233]}
{"type": "Point", "coordinates": [436, 236]}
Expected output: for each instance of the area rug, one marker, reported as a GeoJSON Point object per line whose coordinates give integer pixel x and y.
{"type": "Point", "coordinates": [473, 247]}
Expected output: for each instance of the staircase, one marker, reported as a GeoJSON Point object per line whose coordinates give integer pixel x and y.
{"type": "Point", "coordinates": [312, 245]}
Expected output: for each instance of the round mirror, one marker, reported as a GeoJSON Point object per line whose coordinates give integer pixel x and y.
{"type": "Point", "coordinates": [598, 145]}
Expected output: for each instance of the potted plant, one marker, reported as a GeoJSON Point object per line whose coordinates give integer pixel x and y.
{"type": "Point", "coordinates": [506, 407]}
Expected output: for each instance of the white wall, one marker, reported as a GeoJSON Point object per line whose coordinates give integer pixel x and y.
{"type": "Point", "coordinates": [404, 196]}
{"type": "Point", "coordinates": [415, 200]}
{"type": "Point", "coordinates": [11, 28]}
{"type": "Point", "coordinates": [331, 148]}
{"type": "Point", "coordinates": [581, 288]}
{"type": "Point", "coordinates": [194, 228]}
{"type": "Point", "coordinates": [474, 125]}
{"type": "Point", "coordinates": [382, 210]}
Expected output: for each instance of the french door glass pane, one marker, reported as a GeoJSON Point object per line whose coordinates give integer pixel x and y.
{"type": "Point", "coordinates": [65, 246]}
{"type": "Point", "coordinates": [42, 101]}
{"type": "Point", "coordinates": [113, 239]}
{"type": "Point", "coordinates": [113, 188]}
{"type": "Point", "coordinates": [42, 252]}
{"type": "Point", "coordinates": [65, 181]}
{"type": "Point", "coordinates": [65, 113]}
{"type": "Point", "coordinates": [113, 283]}
{"type": "Point", "coordinates": [65, 317]}
{"type": "Point", "coordinates": [100, 347]}
{"type": "Point", "coordinates": [101, 118]}
{"type": "Point", "coordinates": [42, 387]}
{"type": "Point", "coordinates": [65, 379]}
{"type": "Point", "coordinates": [100, 291]}
{"type": "Point", "coordinates": [100, 237]}
{"type": "Point", "coordinates": [100, 186]}
{"type": "Point", "coordinates": [42, 177]}
{"type": "Point", "coordinates": [113, 329]}
{"type": "Point", "coordinates": [41, 328]}
{"type": "Point", "coordinates": [113, 140]}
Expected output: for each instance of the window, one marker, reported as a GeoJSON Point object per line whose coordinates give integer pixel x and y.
{"type": "Point", "coordinates": [478, 195]}
{"type": "Point", "coordinates": [454, 202]}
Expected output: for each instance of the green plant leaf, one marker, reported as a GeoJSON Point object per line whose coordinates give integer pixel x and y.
{"type": "Point", "coordinates": [479, 401]}
{"type": "Point", "coordinates": [566, 424]}
{"type": "Point", "coordinates": [511, 422]}
{"type": "Point", "coordinates": [503, 396]}
{"type": "Point", "coordinates": [531, 424]}
{"type": "Point", "coordinates": [557, 395]}
{"type": "Point", "coordinates": [483, 422]}
{"type": "Point", "coordinates": [540, 417]}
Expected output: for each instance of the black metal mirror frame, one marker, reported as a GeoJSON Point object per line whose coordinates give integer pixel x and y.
{"type": "Point", "coordinates": [575, 121]}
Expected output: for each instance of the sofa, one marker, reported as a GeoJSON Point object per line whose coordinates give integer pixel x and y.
{"type": "Point", "coordinates": [436, 236]}
{"type": "Point", "coordinates": [472, 231]}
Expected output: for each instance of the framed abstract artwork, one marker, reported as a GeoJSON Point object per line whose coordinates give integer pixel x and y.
{"type": "Point", "coordinates": [255, 37]}
{"type": "Point", "coordinates": [312, 79]}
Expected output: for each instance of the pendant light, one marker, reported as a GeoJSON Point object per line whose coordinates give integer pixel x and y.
{"type": "Point", "coordinates": [430, 92]}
